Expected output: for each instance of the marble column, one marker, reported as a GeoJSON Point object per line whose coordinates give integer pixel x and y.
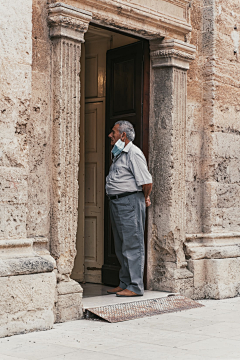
{"type": "Point", "coordinates": [167, 153]}
{"type": "Point", "coordinates": [67, 27]}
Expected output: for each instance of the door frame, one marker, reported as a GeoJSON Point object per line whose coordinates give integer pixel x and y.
{"type": "Point", "coordinates": [169, 57]}
{"type": "Point", "coordinates": [145, 114]}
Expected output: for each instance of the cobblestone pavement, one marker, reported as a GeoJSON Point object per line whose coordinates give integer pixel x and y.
{"type": "Point", "coordinates": [210, 332]}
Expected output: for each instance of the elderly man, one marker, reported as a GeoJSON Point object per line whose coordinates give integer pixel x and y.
{"type": "Point", "coordinates": [128, 186]}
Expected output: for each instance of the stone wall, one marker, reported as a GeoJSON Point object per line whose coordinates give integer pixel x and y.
{"type": "Point", "coordinates": [39, 126]}
{"type": "Point", "coordinates": [27, 280]}
{"type": "Point", "coordinates": [15, 78]}
{"type": "Point", "coordinates": [26, 303]}
{"type": "Point", "coordinates": [194, 127]}
{"type": "Point", "coordinates": [213, 119]}
{"type": "Point", "coordinates": [213, 200]}
{"type": "Point", "coordinates": [225, 167]}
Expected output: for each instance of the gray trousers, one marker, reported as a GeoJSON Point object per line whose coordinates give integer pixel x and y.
{"type": "Point", "coordinates": [128, 222]}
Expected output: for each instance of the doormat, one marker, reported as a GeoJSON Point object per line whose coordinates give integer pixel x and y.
{"type": "Point", "coordinates": [138, 309]}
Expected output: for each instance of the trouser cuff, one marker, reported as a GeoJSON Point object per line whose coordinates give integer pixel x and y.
{"type": "Point", "coordinates": [135, 289]}
{"type": "Point", "coordinates": [122, 285]}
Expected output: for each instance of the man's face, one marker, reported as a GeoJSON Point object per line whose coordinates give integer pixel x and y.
{"type": "Point", "coordinates": [115, 134]}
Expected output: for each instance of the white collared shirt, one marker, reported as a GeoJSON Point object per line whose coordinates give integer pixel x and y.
{"type": "Point", "coordinates": [128, 171]}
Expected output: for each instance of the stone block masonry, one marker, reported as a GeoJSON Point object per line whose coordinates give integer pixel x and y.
{"type": "Point", "coordinates": [16, 60]}
{"type": "Point", "coordinates": [213, 201]}
{"type": "Point", "coordinates": [26, 303]}
{"type": "Point", "coordinates": [39, 134]}
{"type": "Point", "coordinates": [27, 280]}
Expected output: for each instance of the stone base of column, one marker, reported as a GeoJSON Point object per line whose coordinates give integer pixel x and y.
{"type": "Point", "coordinates": [27, 288]}
{"type": "Point", "coordinates": [26, 303]}
{"type": "Point", "coordinates": [214, 260]}
{"type": "Point", "coordinates": [69, 301]}
{"type": "Point", "coordinates": [216, 278]}
{"type": "Point", "coordinates": [169, 278]}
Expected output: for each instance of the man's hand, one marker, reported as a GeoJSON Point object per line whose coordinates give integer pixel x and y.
{"type": "Point", "coordinates": [148, 201]}
{"type": "Point", "coordinates": [147, 188]}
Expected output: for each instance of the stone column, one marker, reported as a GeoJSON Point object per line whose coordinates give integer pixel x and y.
{"type": "Point", "coordinates": [167, 216]}
{"type": "Point", "coordinates": [67, 28]}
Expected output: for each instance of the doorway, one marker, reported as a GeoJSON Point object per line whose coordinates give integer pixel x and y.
{"type": "Point", "coordinates": [107, 58]}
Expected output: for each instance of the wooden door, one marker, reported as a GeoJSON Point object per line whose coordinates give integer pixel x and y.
{"type": "Point", "coordinates": [126, 99]}
{"type": "Point", "coordinates": [94, 191]}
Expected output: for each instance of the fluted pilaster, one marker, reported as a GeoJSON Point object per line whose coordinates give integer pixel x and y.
{"type": "Point", "coordinates": [167, 217]}
{"type": "Point", "coordinates": [67, 27]}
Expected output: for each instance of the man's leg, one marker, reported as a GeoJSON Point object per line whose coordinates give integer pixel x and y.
{"type": "Point", "coordinates": [131, 212]}
{"type": "Point", "coordinates": [116, 228]}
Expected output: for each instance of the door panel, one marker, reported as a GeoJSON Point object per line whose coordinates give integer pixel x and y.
{"type": "Point", "coordinates": [94, 184]}
{"type": "Point", "coordinates": [123, 87]}
{"type": "Point", "coordinates": [91, 87]}
{"type": "Point", "coordinates": [91, 184]}
{"type": "Point", "coordinates": [124, 100]}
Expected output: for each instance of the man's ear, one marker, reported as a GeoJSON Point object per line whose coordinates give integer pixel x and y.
{"type": "Point", "coordinates": [124, 136]}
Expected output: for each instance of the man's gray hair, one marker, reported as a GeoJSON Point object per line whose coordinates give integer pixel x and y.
{"type": "Point", "coordinates": [126, 126]}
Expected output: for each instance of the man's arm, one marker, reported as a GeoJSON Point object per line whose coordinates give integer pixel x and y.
{"type": "Point", "coordinates": [139, 169]}
{"type": "Point", "coordinates": [147, 188]}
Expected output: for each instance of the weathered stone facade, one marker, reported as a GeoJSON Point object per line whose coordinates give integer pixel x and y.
{"type": "Point", "coordinates": [212, 240]}
{"type": "Point", "coordinates": [27, 277]}
{"type": "Point", "coordinates": [194, 152]}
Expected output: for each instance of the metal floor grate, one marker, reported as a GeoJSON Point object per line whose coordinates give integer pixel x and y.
{"type": "Point", "coordinates": [138, 309]}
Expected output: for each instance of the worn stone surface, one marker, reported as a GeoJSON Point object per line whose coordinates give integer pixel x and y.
{"type": "Point", "coordinates": [39, 126]}
{"type": "Point", "coordinates": [215, 278]}
{"type": "Point", "coordinates": [213, 120]}
{"type": "Point", "coordinates": [193, 156]}
{"type": "Point", "coordinates": [69, 307]}
{"type": "Point", "coordinates": [24, 265]}
{"type": "Point", "coordinates": [167, 161]}
{"type": "Point", "coordinates": [66, 119]}
{"type": "Point", "coordinates": [212, 246]}
{"type": "Point", "coordinates": [213, 252]}
{"type": "Point", "coordinates": [27, 283]}
{"type": "Point", "coordinates": [148, 19]}
{"type": "Point", "coordinates": [67, 28]}
{"type": "Point", "coordinates": [69, 287]}
{"type": "Point", "coordinates": [213, 145]}
{"type": "Point", "coordinates": [69, 304]}
{"type": "Point", "coordinates": [15, 78]}
{"type": "Point", "coordinates": [26, 303]}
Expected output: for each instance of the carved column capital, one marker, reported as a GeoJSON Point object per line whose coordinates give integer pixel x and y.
{"type": "Point", "coordinates": [67, 21]}
{"type": "Point", "coordinates": [172, 52]}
